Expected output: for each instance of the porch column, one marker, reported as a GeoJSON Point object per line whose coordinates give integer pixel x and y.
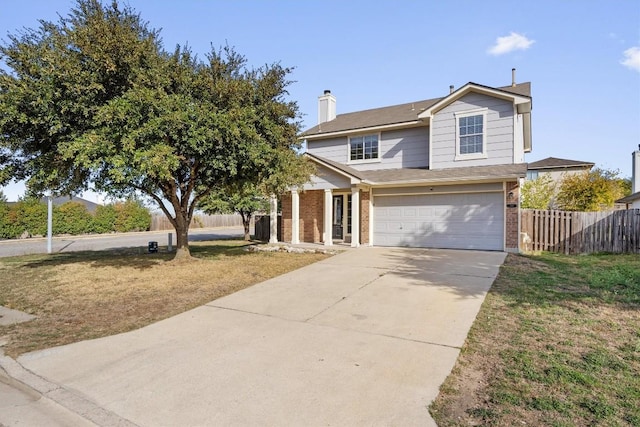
{"type": "Point", "coordinates": [355, 217]}
{"type": "Point", "coordinates": [295, 217]}
{"type": "Point", "coordinates": [328, 210]}
{"type": "Point", "coordinates": [273, 216]}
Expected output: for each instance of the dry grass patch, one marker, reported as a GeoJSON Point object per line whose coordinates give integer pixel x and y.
{"type": "Point", "coordinates": [84, 295]}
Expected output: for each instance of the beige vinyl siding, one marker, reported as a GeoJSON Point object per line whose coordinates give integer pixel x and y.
{"type": "Point", "coordinates": [404, 148]}
{"type": "Point", "coordinates": [332, 149]}
{"type": "Point", "coordinates": [498, 133]}
{"type": "Point", "coordinates": [326, 178]}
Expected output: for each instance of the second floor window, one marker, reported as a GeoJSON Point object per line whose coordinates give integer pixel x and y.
{"type": "Point", "coordinates": [363, 147]}
{"type": "Point", "coordinates": [471, 129]}
{"type": "Point", "coordinates": [471, 134]}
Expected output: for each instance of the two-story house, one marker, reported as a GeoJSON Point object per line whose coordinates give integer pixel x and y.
{"type": "Point", "coordinates": [437, 173]}
{"type": "Point", "coordinates": [557, 169]}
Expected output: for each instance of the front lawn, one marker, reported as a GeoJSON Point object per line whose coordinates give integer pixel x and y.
{"type": "Point", "coordinates": [556, 343]}
{"type": "Point", "coordinates": [83, 295]}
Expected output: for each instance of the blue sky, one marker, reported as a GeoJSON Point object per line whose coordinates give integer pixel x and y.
{"type": "Point", "coordinates": [582, 57]}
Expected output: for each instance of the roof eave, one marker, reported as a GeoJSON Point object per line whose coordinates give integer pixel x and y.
{"type": "Point", "coordinates": [390, 126]}
{"type": "Point", "coordinates": [583, 165]}
{"type": "Point", "coordinates": [470, 179]}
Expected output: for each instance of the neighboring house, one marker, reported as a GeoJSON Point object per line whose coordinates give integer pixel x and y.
{"type": "Point", "coordinates": [61, 200]}
{"type": "Point", "coordinates": [557, 168]}
{"type": "Point", "coordinates": [633, 201]}
{"type": "Point", "coordinates": [438, 173]}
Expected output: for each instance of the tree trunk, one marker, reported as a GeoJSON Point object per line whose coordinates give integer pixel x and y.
{"type": "Point", "coordinates": [182, 237]}
{"type": "Point", "coordinates": [246, 222]}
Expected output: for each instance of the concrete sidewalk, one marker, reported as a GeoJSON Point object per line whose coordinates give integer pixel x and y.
{"type": "Point", "coordinates": [363, 338]}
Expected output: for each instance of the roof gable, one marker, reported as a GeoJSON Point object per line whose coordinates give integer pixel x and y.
{"type": "Point", "coordinates": [554, 162]}
{"type": "Point", "coordinates": [405, 115]}
{"type": "Point", "coordinates": [475, 88]}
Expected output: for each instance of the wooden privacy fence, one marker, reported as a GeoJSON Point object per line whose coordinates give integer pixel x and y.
{"type": "Point", "coordinates": [580, 232]}
{"type": "Point", "coordinates": [160, 222]}
{"type": "Point", "coordinates": [263, 227]}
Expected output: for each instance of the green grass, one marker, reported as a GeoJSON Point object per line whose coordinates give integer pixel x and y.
{"type": "Point", "coordinates": [556, 342]}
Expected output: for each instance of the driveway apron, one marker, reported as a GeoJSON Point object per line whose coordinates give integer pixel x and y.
{"type": "Point", "coordinates": [365, 337]}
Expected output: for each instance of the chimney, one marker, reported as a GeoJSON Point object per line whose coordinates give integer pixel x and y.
{"type": "Point", "coordinates": [451, 89]}
{"type": "Point", "coordinates": [513, 77]}
{"type": "Point", "coordinates": [635, 171]}
{"type": "Point", "coordinates": [326, 107]}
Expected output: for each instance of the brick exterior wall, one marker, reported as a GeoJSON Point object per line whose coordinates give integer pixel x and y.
{"type": "Point", "coordinates": [364, 216]}
{"type": "Point", "coordinates": [512, 214]}
{"type": "Point", "coordinates": [285, 224]}
{"type": "Point", "coordinates": [311, 216]}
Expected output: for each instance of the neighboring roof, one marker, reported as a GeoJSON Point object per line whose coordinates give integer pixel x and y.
{"type": "Point", "coordinates": [408, 175]}
{"type": "Point", "coordinates": [630, 199]}
{"type": "Point", "coordinates": [61, 200]}
{"type": "Point", "coordinates": [395, 114]}
{"type": "Point", "coordinates": [555, 163]}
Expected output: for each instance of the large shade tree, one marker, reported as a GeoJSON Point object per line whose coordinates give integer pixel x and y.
{"type": "Point", "coordinates": [95, 99]}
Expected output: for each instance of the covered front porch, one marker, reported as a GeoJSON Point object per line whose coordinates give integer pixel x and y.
{"type": "Point", "coordinates": [327, 216]}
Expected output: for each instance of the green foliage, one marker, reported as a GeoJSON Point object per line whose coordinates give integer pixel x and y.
{"type": "Point", "coordinates": [104, 219]}
{"type": "Point", "coordinates": [595, 190]}
{"type": "Point", "coordinates": [245, 200]}
{"type": "Point", "coordinates": [72, 218]}
{"type": "Point", "coordinates": [95, 98]}
{"type": "Point", "coordinates": [538, 193]}
{"type": "Point", "coordinates": [7, 230]}
{"type": "Point", "coordinates": [132, 216]}
{"type": "Point", "coordinates": [30, 216]}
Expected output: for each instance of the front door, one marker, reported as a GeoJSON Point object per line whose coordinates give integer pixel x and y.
{"type": "Point", "coordinates": [337, 218]}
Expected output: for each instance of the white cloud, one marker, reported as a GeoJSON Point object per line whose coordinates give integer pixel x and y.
{"type": "Point", "coordinates": [513, 41]}
{"type": "Point", "coordinates": [632, 58]}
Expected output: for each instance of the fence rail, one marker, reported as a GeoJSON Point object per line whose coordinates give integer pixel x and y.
{"type": "Point", "coordinates": [580, 232]}
{"type": "Point", "coordinates": [160, 222]}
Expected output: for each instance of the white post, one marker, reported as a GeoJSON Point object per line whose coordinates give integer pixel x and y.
{"type": "Point", "coordinates": [355, 217]}
{"type": "Point", "coordinates": [328, 209]}
{"type": "Point", "coordinates": [170, 244]}
{"type": "Point", "coordinates": [273, 219]}
{"type": "Point", "coordinates": [295, 220]}
{"type": "Point", "coordinates": [50, 223]}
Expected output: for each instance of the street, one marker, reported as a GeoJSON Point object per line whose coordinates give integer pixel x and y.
{"type": "Point", "coordinates": [110, 241]}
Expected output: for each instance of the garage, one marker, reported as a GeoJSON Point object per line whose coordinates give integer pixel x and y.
{"type": "Point", "coordinates": [454, 221]}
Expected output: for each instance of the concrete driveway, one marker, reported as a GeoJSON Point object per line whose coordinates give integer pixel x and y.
{"type": "Point", "coordinates": [363, 338]}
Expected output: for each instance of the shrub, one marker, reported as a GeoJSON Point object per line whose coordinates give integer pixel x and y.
{"type": "Point", "coordinates": [132, 216]}
{"type": "Point", "coordinates": [104, 220]}
{"type": "Point", "coordinates": [28, 215]}
{"type": "Point", "coordinates": [8, 230]}
{"type": "Point", "coordinates": [72, 218]}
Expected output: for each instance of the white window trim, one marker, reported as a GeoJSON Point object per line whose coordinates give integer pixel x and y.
{"type": "Point", "coordinates": [478, 112]}
{"type": "Point", "coordinates": [361, 161]}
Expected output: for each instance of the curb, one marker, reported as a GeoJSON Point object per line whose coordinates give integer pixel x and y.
{"type": "Point", "coordinates": [15, 375]}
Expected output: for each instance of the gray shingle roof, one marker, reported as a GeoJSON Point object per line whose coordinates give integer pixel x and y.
{"type": "Point", "coordinates": [630, 199]}
{"type": "Point", "coordinates": [348, 170]}
{"type": "Point", "coordinates": [390, 176]}
{"type": "Point", "coordinates": [406, 175]}
{"type": "Point", "coordinates": [554, 162]}
{"type": "Point", "coordinates": [395, 114]}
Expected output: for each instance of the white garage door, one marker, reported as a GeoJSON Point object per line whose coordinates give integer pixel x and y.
{"type": "Point", "coordinates": [456, 221]}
